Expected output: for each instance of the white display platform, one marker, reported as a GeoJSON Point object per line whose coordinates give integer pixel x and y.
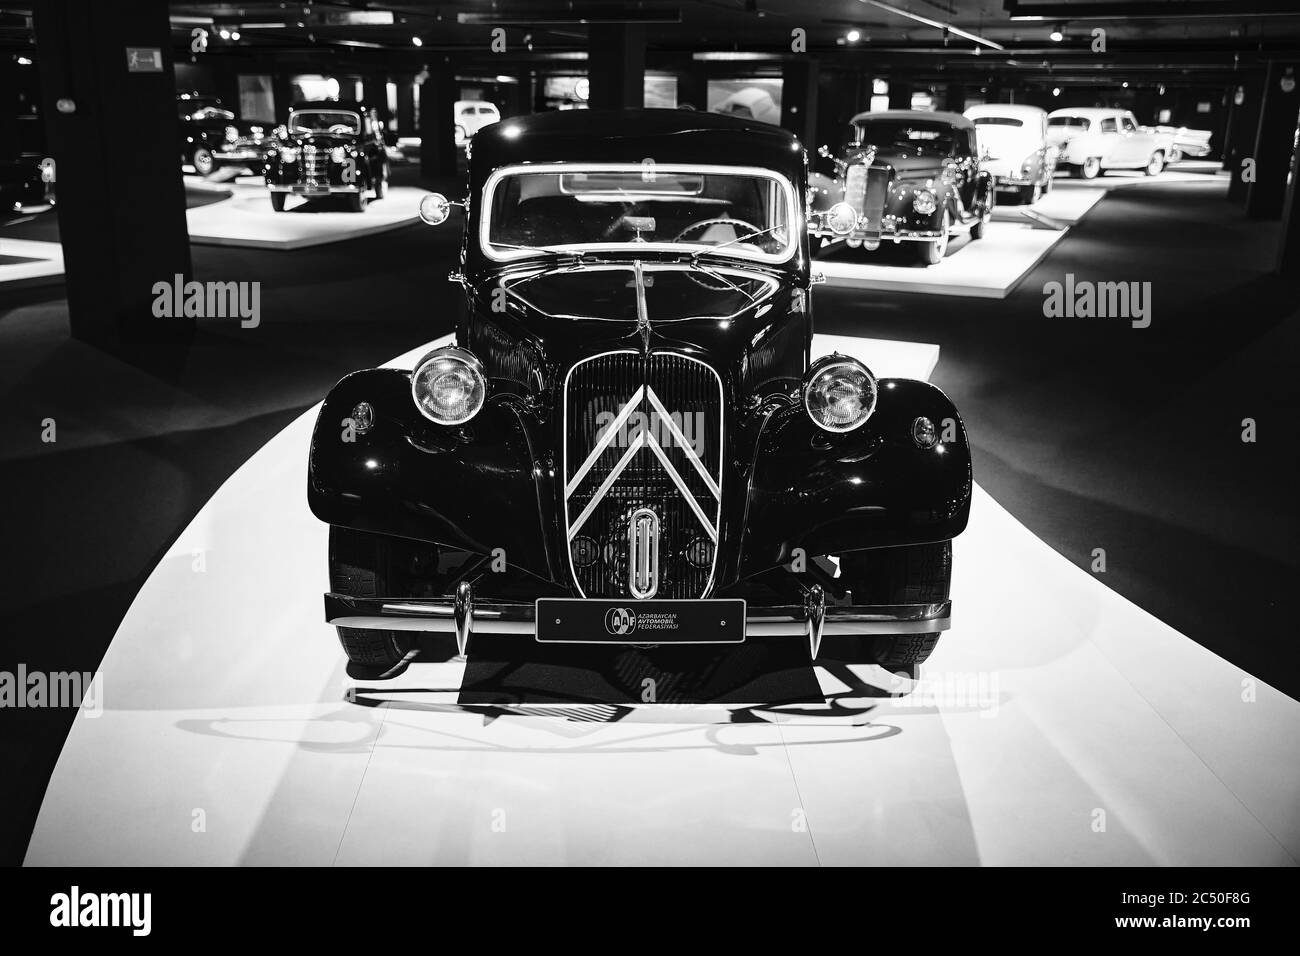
{"type": "Point", "coordinates": [247, 219]}
{"type": "Point", "coordinates": [990, 267]}
{"type": "Point", "coordinates": [1072, 729]}
{"type": "Point", "coordinates": [41, 263]}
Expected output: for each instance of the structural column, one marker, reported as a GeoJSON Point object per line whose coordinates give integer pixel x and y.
{"type": "Point", "coordinates": [437, 132]}
{"type": "Point", "coordinates": [1279, 113]}
{"type": "Point", "coordinates": [799, 99]}
{"type": "Point", "coordinates": [121, 199]}
{"type": "Point", "coordinates": [616, 65]}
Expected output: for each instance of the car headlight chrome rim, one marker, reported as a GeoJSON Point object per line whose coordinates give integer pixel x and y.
{"type": "Point", "coordinates": [839, 393]}
{"type": "Point", "coordinates": [338, 154]}
{"type": "Point", "coordinates": [923, 201]}
{"type": "Point", "coordinates": [448, 386]}
{"type": "Point", "coordinates": [288, 154]}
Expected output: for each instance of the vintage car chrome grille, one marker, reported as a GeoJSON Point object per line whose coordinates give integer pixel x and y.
{"type": "Point", "coordinates": [642, 432]}
{"type": "Point", "coordinates": [315, 165]}
{"type": "Point", "coordinates": [866, 188]}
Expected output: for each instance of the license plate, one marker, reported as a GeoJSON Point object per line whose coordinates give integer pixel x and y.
{"type": "Point", "coordinates": [601, 621]}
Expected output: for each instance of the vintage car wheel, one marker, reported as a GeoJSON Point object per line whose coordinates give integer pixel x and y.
{"type": "Point", "coordinates": [361, 565]}
{"type": "Point", "coordinates": [1157, 164]}
{"type": "Point", "coordinates": [1175, 155]}
{"type": "Point", "coordinates": [203, 160]}
{"type": "Point", "coordinates": [1029, 195]}
{"type": "Point", "coordinates": [357, 201]}
{"type": "Point", "coordinates": [381, 184]}
{"type": "Point", "coordinates": [1091, 167]}
{"type": "Point", "coordinates": [933, 252]}
{"type": "Point", "coordinates": [277, 201]}
{"type": "Point", "coordinates": [915, 574]}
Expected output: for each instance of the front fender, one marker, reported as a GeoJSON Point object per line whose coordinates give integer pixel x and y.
{"type": "Point", "coordinates": [472, 487]}
{"type": "Point", "coordinates": [874, 487]}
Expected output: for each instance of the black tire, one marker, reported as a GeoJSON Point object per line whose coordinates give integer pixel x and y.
{"type": "Point", "coordinates": [381, 184]}
{"type": "Point", "coordinates": [1091, 168]}
{"type": "Point", "coordinates": [277, 201]}
{"type": "Point", "coordinates": [915, 574]}
{"type": "Point", "coordinates": [361, 566]}
{"type": "Point", "coordinates": [1156, 165]}
{"type": "Point", "coordinates": [1031, 194]}
{"type": "Point", "coordinates": [357, 201]}
{"type": "Point", "coordinates": [205, 164]}
{"type": "Point", "coordinates": [932, 253]}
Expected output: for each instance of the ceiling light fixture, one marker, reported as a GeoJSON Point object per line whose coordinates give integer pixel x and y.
{"type": "Point", "coordinates": [955, 31]}
{"type": "Point", "coordinates": [417, 41]}
{"type": "Point", "coordinates": [1057, 34]}
{"type": "Point", "coordinates": [853, 36]}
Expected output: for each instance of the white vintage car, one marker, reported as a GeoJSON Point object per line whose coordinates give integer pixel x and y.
{"type": "Point", "coordinates": [1015, 146]}
{"type": "Point", "coordinates": [1182, 143]}
{"type": "Point", "coordinates": [470, 116]}
{"type": "Point", "coordinates": [1093, 140]}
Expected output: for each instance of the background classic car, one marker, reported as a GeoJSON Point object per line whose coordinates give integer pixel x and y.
{"type": "Point", "coordinates": [470, 116]}
{"type": "Point", "coordinates": [1015, 148]}
{"type": "Point", "coordinates": [328, 147]}
{"type": "Point", "coordinates": [629, 428]}
{"type": "Point", "coordinates": [211, 136]}
{"type": "Point", "coordinates": [909, 175]}
{"type": "Point", "coordinates": [1093, 140]}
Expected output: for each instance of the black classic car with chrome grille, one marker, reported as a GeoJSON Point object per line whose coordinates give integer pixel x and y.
{"type": "Point", "coordinates": [627, 441]}
{"type": "Point", "coordinates": [328, 148]}
{"type": "Point", "coordinates": [907, 176]}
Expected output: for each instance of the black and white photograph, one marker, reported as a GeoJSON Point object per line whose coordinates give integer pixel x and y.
{"type": "Point", "coordinates": [670, 433]}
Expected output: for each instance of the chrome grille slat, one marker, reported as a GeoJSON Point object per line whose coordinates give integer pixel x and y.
{"type": "Point", "coordinates": [598, 390]}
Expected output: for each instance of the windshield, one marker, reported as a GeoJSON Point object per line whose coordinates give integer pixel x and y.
{"type": "Point", "coordinates": [1073, 122]}
{"type": "Point", "coordinates": [325, 121]}
{"type": "Point", "coordinates": [935, 139]}
{"type": "Point", "coordinates": [736, 211]}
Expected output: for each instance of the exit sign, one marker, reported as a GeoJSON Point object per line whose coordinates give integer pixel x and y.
{"type": "Point", "coordinates": [144, 59]}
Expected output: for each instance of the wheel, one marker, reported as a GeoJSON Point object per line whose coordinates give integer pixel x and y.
{"type": "Point", "coordinates": [361, 565]}
{"type": "Point", "coordinates": [203, 160]}
{"type": "Point", "coordinates": [933, 252]}
{"type": "Point", "coordinates": [1175, 155]}
{"type": "Point", "coordinates": [914, 574]}
{"type": "Point", "coordinates": [381, 185]}
{"type": "Point", "coordinates": [357, 200]}
{"type": "Point", "coordinates": [277, 201]}
{"type": "Point", "coordinates": [1031, 194]}
{"type": "Point", "coordinates": [1156, 164]}
{"type": "Point", "coordinates": [1091, 167]}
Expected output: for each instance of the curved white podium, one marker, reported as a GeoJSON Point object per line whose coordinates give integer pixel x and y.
{"type": "Point", "coordinates": [1056, 724]}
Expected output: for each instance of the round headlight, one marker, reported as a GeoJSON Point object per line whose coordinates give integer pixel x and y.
{"type": "Point", "coordinates": [840, 393]}
{"type": "Point", "coordinates": [337, 155]}
{"type": "Point", "coordinates": [288, 154]}
{"type": "Point", "coordinates": [449, 386]}
{"type": "Point", "coordinates": [923, 201]}
{"type": "Point", "coordinates": [232, 134]}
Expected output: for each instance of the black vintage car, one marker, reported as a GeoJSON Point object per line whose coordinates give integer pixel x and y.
{"type": "Point", "coordinates": [909, 176]}
{"type": "Point", "coordinates": [627, 441]}
{"type": "Point", "coordinates": [211, 136]}
{"type": "Point", "coordinates": [327, 148]}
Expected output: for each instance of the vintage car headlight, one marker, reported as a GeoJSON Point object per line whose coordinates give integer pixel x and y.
{"type": "Point", "coordinates": [923, 201]}
{"type": "Point", "coordinates": [337, 154]}
{"type": "Point", "coordinates": [232, 134]}
{"type": "Point", "coordinates": [288, 154]}
{"type": "Point", "coordinates": [449, 386]}
{"type": "Point", "coordinates": [839, 393]}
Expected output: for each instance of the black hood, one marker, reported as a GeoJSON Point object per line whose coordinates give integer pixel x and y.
{"type": "Point", "coordinates": [907, 163]}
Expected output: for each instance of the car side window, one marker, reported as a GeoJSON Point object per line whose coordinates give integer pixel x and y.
{"type": "Point", "coordinates": [1108, 125]}
{"type": "Point", "coordinates": [1129, 125]}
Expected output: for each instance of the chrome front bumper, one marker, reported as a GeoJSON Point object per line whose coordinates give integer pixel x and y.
{"type": "Point", "coordinates": [303, 189]}
{"type": "Point", "coordinates": [463, 616]}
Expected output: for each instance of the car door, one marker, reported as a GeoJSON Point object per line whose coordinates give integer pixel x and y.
{"type": "Point", "coordinates": [1138, 146]}
{"type": "Point", "coordinates": [1109, 141]}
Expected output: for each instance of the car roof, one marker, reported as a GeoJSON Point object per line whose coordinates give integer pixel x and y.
{"type": "Point", "coordinates": [1088, 112]}
{"type": "Point", "coordinates": [349, 105]}
{"type": "Point", "coordinates": [1018, 110]}
{"type": "Point", "coordinates": [663, 136]}
{"type": "Point", "coordinates": [953, 119]}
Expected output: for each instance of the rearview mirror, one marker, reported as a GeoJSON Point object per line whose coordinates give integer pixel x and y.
{"type": "Point", "coordinates": [840, 219]}
{"type": "Point", "coordinates": [434, 209]}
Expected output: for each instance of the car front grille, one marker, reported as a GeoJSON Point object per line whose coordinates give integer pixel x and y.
{"type": "Point", "coordinates": [866, 189]}
{"type": "Point", "coordinates": [612, 398]}
{"type": "Point", "coordinates": [315, 165]}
